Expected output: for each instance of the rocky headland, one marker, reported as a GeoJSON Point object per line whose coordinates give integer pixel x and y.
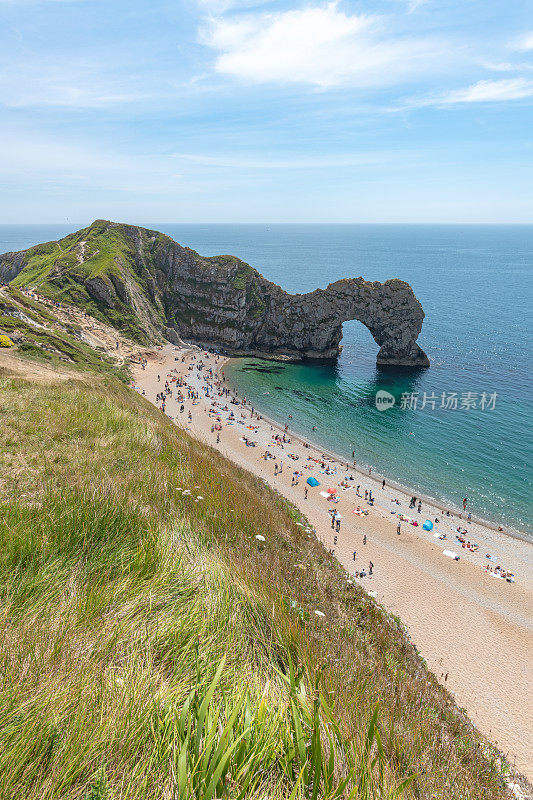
{"type": "Point", "coordinates": [149, 286]}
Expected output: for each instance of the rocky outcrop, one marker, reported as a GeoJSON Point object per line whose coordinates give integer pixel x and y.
{"type": "Point", "coordinates": [225, 303]}
{"type": "Point", "coordinates": [101, 291]}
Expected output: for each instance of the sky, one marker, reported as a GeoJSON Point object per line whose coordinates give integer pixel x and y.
{"type": "Point", "coordinates": [242, 111]}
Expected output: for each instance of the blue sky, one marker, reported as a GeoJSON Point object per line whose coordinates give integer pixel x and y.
{"type": "Point", "coordinates": [228, 111]}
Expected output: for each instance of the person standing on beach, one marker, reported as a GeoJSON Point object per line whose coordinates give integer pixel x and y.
{"type": "Point", "coordinates": [370, 568]}
{"type": "Point", "coordinates": [465, 501]}
{"type": "Point", "coordinates": [364, 539]}
{"type": "Point", "coordinates": [305, 494]}
{"type": "Point", "coordinates": [383, 485]}
{"type": "Point", "coordinates": [399, 528]}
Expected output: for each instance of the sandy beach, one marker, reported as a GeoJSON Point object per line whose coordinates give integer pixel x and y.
{"type": "Point", "coordinates": [474, 629]}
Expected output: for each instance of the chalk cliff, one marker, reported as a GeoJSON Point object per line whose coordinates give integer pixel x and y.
{"type": "Point", "coordinates": [145, 283]}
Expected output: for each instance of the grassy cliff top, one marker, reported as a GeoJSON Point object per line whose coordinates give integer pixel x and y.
{"type": "Point", "coordinates": [113, 271]}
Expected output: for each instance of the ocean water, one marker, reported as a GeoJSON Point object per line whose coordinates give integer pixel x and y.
{"type": "Point", "coordinates": [475, 285]}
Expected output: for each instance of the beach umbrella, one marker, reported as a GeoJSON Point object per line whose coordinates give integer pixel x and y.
{"type": "Point", "coordinates": [313, 481]}
{"type": "Point", "coordinates": [331, 491]}
{"type": "Point", "coordinates": [428, 525]}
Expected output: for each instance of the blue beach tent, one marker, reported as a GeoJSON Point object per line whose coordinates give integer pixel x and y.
{"type": "Point", "coordinates": [312, 481]}
{"type": "Point", "coordinates": [428, 525]}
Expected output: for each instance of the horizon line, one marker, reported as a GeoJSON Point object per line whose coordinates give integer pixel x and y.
{"type": "Point", "coordinates": [266, 222]}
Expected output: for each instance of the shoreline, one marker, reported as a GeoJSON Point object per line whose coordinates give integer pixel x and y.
{"type": "Point", "coordinates": [391, 482]}
{"type": "Point", "coordinates": [475, 633]}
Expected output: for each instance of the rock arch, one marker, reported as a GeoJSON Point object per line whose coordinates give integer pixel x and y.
{"type": "Point", "coordinates": [261, 319]}
{"type": "Point", "coordinates": [389, 310]}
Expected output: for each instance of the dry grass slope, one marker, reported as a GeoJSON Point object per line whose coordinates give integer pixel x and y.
{"type": "Point", "coordinates": [152, 647]}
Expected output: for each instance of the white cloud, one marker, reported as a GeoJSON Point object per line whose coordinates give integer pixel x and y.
{"type": "Point", "coordinates": [318, 45]}
{"type": "Point", "coordinates": [42, 160]}
{"type": "Point", "coordinates": [414, 4]}
{"type": "Point", "coordinates": [35, 2]}
{"type": "Point", "coordinates": [488, 92]}
{"type": "Point", "coordinates": [72, 97]}
{"type": "Point", "coordinates": [215, 7]}
{"type": "Point", "coordinates": [507, 66]}
{"type": "Point", "coordinates": [72, 85]}
{"type": "Point", "coordinates": [286, 162]}
{"type": "Point", "coordinates": [480, 92]}
{"type": "Point", "coordinates": [523, 43]}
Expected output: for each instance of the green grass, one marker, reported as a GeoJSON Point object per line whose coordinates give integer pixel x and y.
{"type": "Point", "coordinates": [151, 647]}
{"type": "Point", "coordinates": [114, 255]}
{"type": "Point", "coordinates": [54, 270]}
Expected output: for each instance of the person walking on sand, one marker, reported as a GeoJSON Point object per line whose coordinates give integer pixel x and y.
{"type": "Point", "coordinates": [338, 525]}
{"type": "Point", "coordinates": [383, 485]}
{"type": "Point", "coordinates": [399, 528]}
{"type": "Point", "coordinates": [465, 501]}
{"type": "Point", "coordinates": [305, 493]}
{"type": "Point", "coordinates": [354, 554]}
{"type": "Point", "coordinates": [370, 568]}
{"type": "Point", "coordinates": [333, 520]}
{"type": "Point", "coordinates": [364, 539]}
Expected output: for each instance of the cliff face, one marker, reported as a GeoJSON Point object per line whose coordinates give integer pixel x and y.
{"type": "Point", "coordinates": [144, 281]}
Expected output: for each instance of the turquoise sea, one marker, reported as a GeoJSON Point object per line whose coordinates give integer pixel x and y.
{"type": "Point", "coordinates": [475, 284]}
